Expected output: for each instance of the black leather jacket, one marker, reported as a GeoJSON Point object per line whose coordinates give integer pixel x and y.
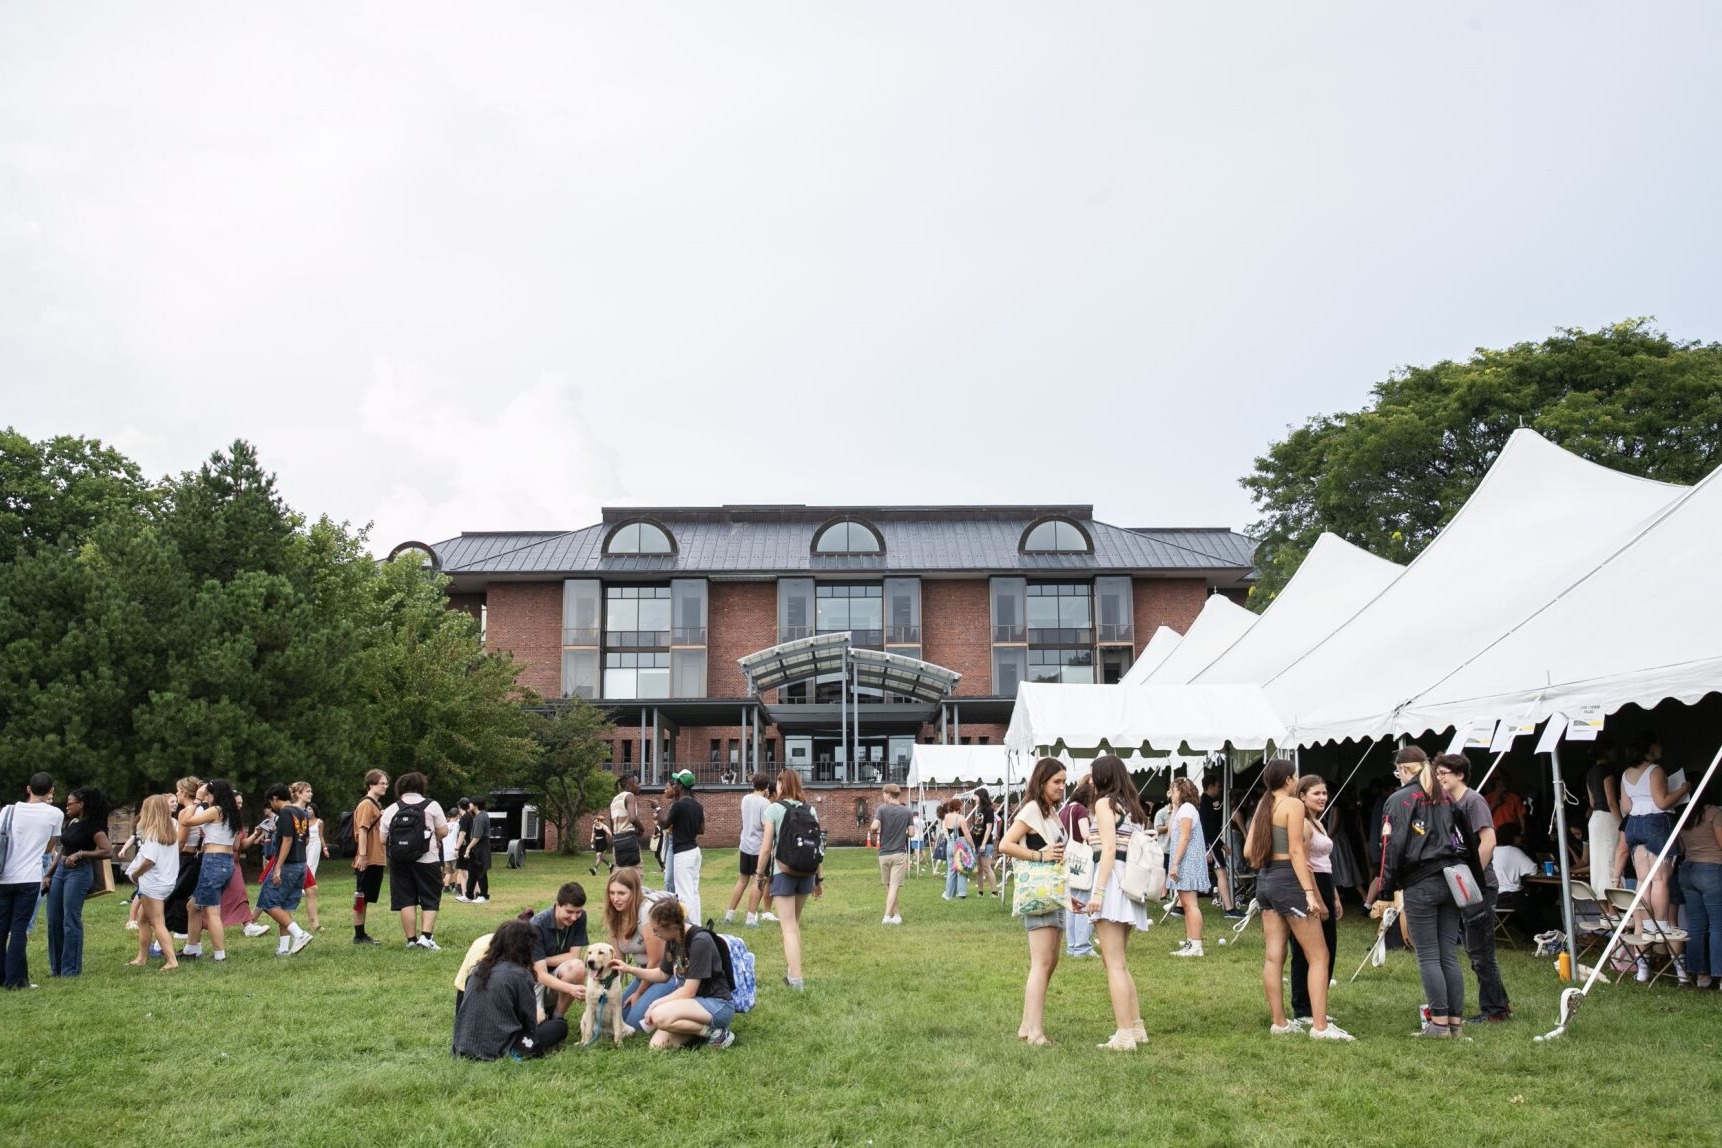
{"type": "Point", "coordinates": [1423, 837]}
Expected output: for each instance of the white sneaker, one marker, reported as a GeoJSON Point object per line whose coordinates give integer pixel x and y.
{"type": "Point", "coordinates": [463, 899]}
{"type": "Point", "coordinates": [255, 929]}
{"type": "Point", "coordinates": [427, 943]}
{"type": "Point", "coordinates": [301, 941]}
{"type": "Point", "coordinates": [1289, 1028]}
{"type": "Point", "coordinates": [752, 921]}
{"type": "Point", "coordinates": [132, 926]}
{"type": "Point", "coordinates": [897, 920]}
{"type": "Point", "coordinates": [1189, 949]}
{"type": "Point", "coordinates": [772, 917]}
{"type": "Point", "coordinates": [886, 921]}
{"type": "Point", "coordinates": [1643, 973]}
{"type": "Point", "coordinates": [1331, 1032]}
{"type": "Point", "coordinates": [729, 917]}
{"type": "Point", "coordinates": [481, 900]}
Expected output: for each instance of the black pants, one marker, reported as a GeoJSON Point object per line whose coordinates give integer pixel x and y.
{"type": "Point", "coordinates": [1300, 960]}
{"type": "Point", "coordinates": [478, 875]}
{"type": "Point", "coordinates": [546, 1038]}
{"type": "Point", "coordinates": [174, 908]}
{"type": "Point", "coordinates": [1480, 947]}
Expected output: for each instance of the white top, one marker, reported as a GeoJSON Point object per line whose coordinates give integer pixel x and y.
{"type": "Point", "coordinates": [217, 833]}
{"type": "Point", "coordinates": [1511, 865]}
{"type": "Point", "coordinates": [1643, 801]}
{"type": "Point", "coordinates": [34, 825]}
{"type": "Point", "coordinates": [158, 883]}
{"type": "Point", "coordinates": [450, 846]}
{"type": "Point", "coordinates": [435, 819]}
{"type": "Point", "coordinates": [753, 822]}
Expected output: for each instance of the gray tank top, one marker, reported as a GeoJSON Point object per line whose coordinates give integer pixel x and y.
{"type": "Point", "coordinates": [1282, 842]}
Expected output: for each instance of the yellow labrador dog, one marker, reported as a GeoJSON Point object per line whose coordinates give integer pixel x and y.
{"type": "Point", "coordinates": [604, 992]}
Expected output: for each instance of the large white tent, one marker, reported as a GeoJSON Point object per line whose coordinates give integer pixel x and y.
{"type": "Point", "coordinates": [1163, 718]}
{"type": "Point", "coordinates": [1334, 581]}
{"type": "Point", "coordinates": [1539, 518]}
{"type": "Point", "coordinates": [1158, 649]}
{"type": "Point", "coordinates": [1221, 623]}
{"type": "Point", "coordinates": [961, 765]}
{"type": "Point", "coordinates": [1626, 630]}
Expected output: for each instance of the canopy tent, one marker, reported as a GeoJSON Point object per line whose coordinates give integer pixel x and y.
{"type": "Point", "coordinates": [1627, 630]}
{"type": "Point", "coordinates": [1335, 581]}
{"type": "Point", "coordinates": [962, 765]}
{"type": "Point", "coordinates": [1158, 649]}
{"type": "Point", "coordinates": [1221, 623]}
{"type": "Point", "coordinates": [1150, 718]}
{"type": "Point", "coordinates": [1539, 516]}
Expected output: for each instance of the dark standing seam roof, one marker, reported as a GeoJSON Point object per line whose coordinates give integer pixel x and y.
{"type": "Point", "coordinates": [939, 541]}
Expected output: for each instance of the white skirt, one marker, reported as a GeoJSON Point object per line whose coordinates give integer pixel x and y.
{"type": "Point", "coordinates": [1115, 906]}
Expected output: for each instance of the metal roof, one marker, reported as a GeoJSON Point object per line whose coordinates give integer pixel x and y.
{"type": "Point", "coordinates": [803, 658]}
{"type": "Point", "coordinates": [779, 540]}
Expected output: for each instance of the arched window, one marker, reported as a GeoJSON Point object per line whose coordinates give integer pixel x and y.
{"type": "Point", "coordinates": [1055, 536]}
{"type": "Point", "coordinates": [848, 537]}
{"type": "Point", "coordinates": [639, 538]}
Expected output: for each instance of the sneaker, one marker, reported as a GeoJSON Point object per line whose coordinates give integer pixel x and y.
{"type": "Point", "coordinates": [752, 921]}
{"type": "Point", "coordinates": [154, 951]}
{"type": "Point", "coordinates": [885, 921]}
{"type": "Point", "coordinates": [1235, 914]}
{"type": "Point", "coordinates": [897, 920]}
{"type": "Point", "coordinates": [414, 944]}
{"type": "Point", "coordinates": [1431, 1032]}
{"type": "Point", "coordinates": [722, 1038]}
{"type": "Point", "coordinates": [179, 936]}
{"type": "Point", "coordinates": [463, 899]}
{"type": "Point", "coordinates": [772, 917]}
{"type": "Point", "coordinates": [255, 929]}
{"type": "Point", "coordinates": [796, 983]}
{"type": "Point", "coordinates": [131, 926]}
{"type": "Point", "coordinates": [729, 917]}
{"type": "Point", "coordinates": [1189, 949]}
{"type": "Point", "coordinates": [427, 943]}
{"type": "Point", "coordinates": [1331, 1032]}
{"type": "Point", "coordinates": [367, 940]}
{"type": "Point", "coordinates": [944, 896]}
{"type": "Point", "coordinates": [301, 941]}
{"type": "Point", "coordinates": [481, 900]}
{"type": "Point", "coordinates": [1643, 971]}
{"type": "Point", "coordinates": [185, 956]}
{"type": "Point", "coordinates": [1680, 973]}
{"type": "Point", "coordinates": [1287, 1029]}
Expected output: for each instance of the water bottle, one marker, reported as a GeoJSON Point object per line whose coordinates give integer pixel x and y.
{"type": "Point", "coordinates": [1564, 963]}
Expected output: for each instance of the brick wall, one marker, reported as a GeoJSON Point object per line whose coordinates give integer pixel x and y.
{"type": "Point", "coordinates": [1173, 602]}
{"type": "Point", "coordinates": [470, 604]}
{"type": "Point", "coordinates": [743, 621]}
{"type": "Point", "coordinates": [526, 620]}
{"type": "Point", "coordinates": [956, 631]}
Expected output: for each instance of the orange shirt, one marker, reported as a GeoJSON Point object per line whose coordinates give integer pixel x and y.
{"type": "Point", "coordinates": [368, 833]}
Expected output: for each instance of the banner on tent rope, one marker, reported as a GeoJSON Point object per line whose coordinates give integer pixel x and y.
{"type": "Point", "coordinates": [1557, 725]}
{"type": "Point", "coordinates": [1505, 732]}
{"type": "Point", "coordinates": [1586, 722]}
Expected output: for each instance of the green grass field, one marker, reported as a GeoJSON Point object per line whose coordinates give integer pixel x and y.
{"type": "Point", "coordinates": [904, 1036]}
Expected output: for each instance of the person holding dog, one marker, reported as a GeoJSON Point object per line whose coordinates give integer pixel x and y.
{"type": "Point", "coordinates": [498, 1015]}
{"type": "Point", "coordinates": [559, 941]}
{"type": "Point", "coordinates": [1036, 835]}
{"type": "Point", "coordinates": [700, 1007]}
{"type": "Point", "coordinates": [625, 908]}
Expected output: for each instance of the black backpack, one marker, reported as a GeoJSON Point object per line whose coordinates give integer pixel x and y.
{"type": "Point", "coordinates": [409, 834]}
{"type": "Point", "coordinates": [800, 842]}
{"type": "Point", "coordinates": [346, 843]}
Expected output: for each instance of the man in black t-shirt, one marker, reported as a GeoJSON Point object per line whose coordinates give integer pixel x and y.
{"type": "Point", "coordinates": [286, 884]}
{"type": "Point", "coordinates": [1208, 809]}
{"type": "Point", "coordinates": [686, 820]}
{"type": "Point", "coordinates": [557, 948]}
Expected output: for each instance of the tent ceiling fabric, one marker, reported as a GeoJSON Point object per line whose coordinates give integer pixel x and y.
{"type": "Point", "coordinates": [1540, 516]}
{"type": "Point", "coordinates": [1334, 581]}
{"type": "Point", "coordinates": [822, 654]}
{"type": "Point", "coordinates": [1220, 624]}
{"type": "Point", "coordinates": [1163, 718]}
{"type": "Point", "coordinates": [1158, 649]}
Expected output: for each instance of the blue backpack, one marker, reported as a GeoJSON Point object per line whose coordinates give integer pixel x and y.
{"type": "Point", "coordinates": [737, 962]}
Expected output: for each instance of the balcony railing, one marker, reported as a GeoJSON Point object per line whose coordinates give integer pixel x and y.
{"type": "Point", "coordinates": [580, 635]}
{"type": "Point", "coordinates": [688, 636]}
{"type": "Point", "coordinates": [1117, 632]}
{"type": "Point", "coordinates": [720, 775]}
{"type": "Point", "coordinates": [1060, 636]}
{"type": "Point", "coordinates": [903, 635]}
{"type": "Point", "coordinates": [790, 633]}
{"type": "Point", "coordinates": [1009, 634]}
{"type": "Point", "coordinates": [637, 639]}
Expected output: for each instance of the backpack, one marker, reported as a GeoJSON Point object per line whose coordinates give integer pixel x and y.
{"type": "Point", "coordinates": [346, 843]}
{"type": "Point", "coordinates": [409, 833]}
{"type": "Point", "coordinates": [800, 842]}
{"type": "Point", "coordinates": [737, 962]}
{"type": "Point", "coordinates": [1143, 878]}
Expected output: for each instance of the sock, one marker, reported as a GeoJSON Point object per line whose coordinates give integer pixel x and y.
{"type": "Point", "coordinates": [220, 954]}
{"type": "Point", "coordinates": [281, 946]}
{"type": "Point", "coordinates": [293, 930]}
{"type": "Point", "coordinates": [358, 932]}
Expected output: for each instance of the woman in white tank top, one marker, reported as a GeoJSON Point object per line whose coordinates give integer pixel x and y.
{"type": "Point", "coordinates": [1645, 799]}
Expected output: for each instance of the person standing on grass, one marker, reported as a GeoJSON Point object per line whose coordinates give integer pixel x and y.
{"type": "Point", "coordinates": [1423, 838]}
{"type": "Point", "coordinates": [370, 855]}
{"type": "Point", "coordinates": [1188, 866]}
{"type": "Point", "coordinates": [285, 885]}
{"type": "Point", "coordinates": [475, 849]}
{"type": "Point", "coordinates": [83, 842]}
{"type": "Point", "coordinates": [1036, 835]}
{"type": "Point", "coordinates": [699, 1009]}
{"type": "Point", "coordinates": [917, 842]}
{"type": "Point", "coordinates": [1117, 814]}
{"type": "Point", "coordinates": [183, 806]}
{"type": "Point", "coordinates": [498, 1014]}
{"type": "Point", "coordinates": [154, 871]}
{"type": "Point", "coordinates": [1078, 834]}
{"type": "Point", "coordinates": [626, 827]}
{"type": "Point", "coordinates": [1318, 847]}
{"type": "Point", "coordinates": [891, 824]}
{"type": "Point", "coordinates": [790, 888]}
{"type": "Point", "coordinates": [1289, 898]}
{"type": "Point", "coordinates": [33, 828]}
{"type": "Point", "coordinates": [1700, 877]}
{"type": "Point", "coordinates": [1646, 800]}
{"type": "Point", "coordinates": [986, 838]}
{"type": "Point", "coordinates": [685, 820]}
{"type": "Point", "coordinates": [1452, 771]}
{"type": "Point", "coordinates": [1212, 810]}
{"type": "Point", "coordinates": [955, 827]}
{"type": "Point", "coordinates": [753, 808]}
{"type": "Point", "coordinates": [302, 795]}
{"type": "Point", "coordinates": [414, 822]}
{"type": "Point", "coordinates": [217, 821]}
{"type": "Point", "coordinates": [559, 944]}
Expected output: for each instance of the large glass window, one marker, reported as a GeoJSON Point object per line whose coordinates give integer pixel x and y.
{"type": "Point", "coordinates": [1010, 666]}
{"type": "Point", "coordinates": [688, 673]}
{"type": "Point", "coordinates": [637, 616]}
{"type": "Point", "coordinates": [580, 673]}
{"type": "Point", "coordinates": [1008, 621]}
{"type": "Point", "coordinates": [794, 608]}
{"type": "Point", "coordinates": [689, 598]}
{"type": "Point", "coordinates": [637, 674]}
{"type": "Point", "coordinates": [639, 538]}
{"type": "Point", "coordinates": [1112, 598]}
{"type": "Point", "coordinates": [581, 601]}
{"type": "Point", "coordinates": [1055, 536]}
{"type": "Point", "coordinates": [857, 608]}
{"type": "Point", "coordinates": [1115, 663]}
{"type": "Point", "coordinates": [848, 538]}
{"type": "Point", "coordinates": [1060, 613]}
{"type": "Point", "coordinates": [902, 611]}
{"type": "Point", "coordinates": [1071, 665]}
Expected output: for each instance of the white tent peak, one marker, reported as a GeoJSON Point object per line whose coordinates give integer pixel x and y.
{"type": "Point", "coordinates": [1158, 649]}
{"type": "Point", "coordinates": [1221, 623]}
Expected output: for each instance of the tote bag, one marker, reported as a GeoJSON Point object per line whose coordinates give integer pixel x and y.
{"type": "Point", "coordinates": [1040, 886]}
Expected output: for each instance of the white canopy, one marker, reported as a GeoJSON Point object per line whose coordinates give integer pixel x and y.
{"type": "Point", "coordinates": [1158, 649]}
{"type": "Point", "coordinates": [1335, 581]}
{"type": "Point", "coordinates": [1146, 718]}
{"type": "Point", "coordinates": [1628, 630]}
{"type": "Point", "coordinates": [1221, 623]}
{"type": "Point", "coordinates": [1539, 517]}
{"type": "Point", "coordinates": [962, 764]}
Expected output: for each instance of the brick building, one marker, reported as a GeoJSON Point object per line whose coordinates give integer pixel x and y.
{"type": "Point", "coordinates": [651, 612]}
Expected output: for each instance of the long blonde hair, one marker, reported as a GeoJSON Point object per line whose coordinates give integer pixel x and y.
{"type": "Point", "coordinates": [155, 823]}
{"type": "Point", "coordinates": [623, 923]}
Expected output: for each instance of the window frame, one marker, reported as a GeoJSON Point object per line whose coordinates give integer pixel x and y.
{"type": "Point", "coordinates": [1056, 520]}
{"type": "Point", "coordinates": [610, 539]}
{"type": "Point", "coordinates": [847, 521]}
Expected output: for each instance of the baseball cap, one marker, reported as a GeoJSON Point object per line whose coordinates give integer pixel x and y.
{"type": "Point", "coordinates": [685, 778]}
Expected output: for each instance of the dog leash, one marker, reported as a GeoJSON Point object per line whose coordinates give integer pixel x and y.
{"type": "Point", "coordinates": [605, 986]}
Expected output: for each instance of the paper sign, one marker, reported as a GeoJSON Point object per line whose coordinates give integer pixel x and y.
{"type": "Point", "coordinates": [1586, 722]}
{"type": "Point", "coordinates": [1504, 735]}
{"type": "Point", "coordinates": [1557, 725]}
{"type": "Point", "coordinates": [1480, 734]}
{"type": "Point", "coordinates": [1527, 727]}
{"type": "Point", "coordinates": [1458, 742]}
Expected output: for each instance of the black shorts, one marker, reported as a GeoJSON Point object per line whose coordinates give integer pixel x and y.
{"type": "Point", "coordinates": [749, 864]}
{"type": "Point", "coordinates": [627, 850]}
{"type": "Point", "coordinates": [369, 883]}
{"type": "Point", "coordinates": [1277, 891]}
{"type": "Point", "coordinates": [415, 884]}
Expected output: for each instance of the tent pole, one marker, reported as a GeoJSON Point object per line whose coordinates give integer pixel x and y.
{"type": "Point", "coordinates": [843, 708]}
{"type": "Point", "coordinates": [1561, 852]}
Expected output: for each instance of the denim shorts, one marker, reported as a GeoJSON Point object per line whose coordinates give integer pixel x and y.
{"type": "Point", "coordinates": [1650, 830]}
{"type": "Point", "coordinates": [789, 885]}
{"type": "Point", "coordinates": [285, 895]}
{"type": "Point", "coordinates": [722, 1012]}
{"type": "Point", "coordinates": [215, 872]}
{"type": "Point", "coordinates": [1033, 921]}
{"type": "Point", "coordinates": [1277, 891]}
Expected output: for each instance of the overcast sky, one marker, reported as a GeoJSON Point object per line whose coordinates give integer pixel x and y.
{"type": "Point", "coordinates": [488, 266]}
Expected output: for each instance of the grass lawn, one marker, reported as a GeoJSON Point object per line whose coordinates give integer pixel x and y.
{"type": "Point", "coordinates": [904, 1036]}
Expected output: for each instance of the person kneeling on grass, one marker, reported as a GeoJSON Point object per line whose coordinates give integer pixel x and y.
{"type": "Point", "coordinates": [558, 944]}
{"type": "Point", "coordinates": [700, 1008]}
{"type": "Point", "coordinates": [498, 1015]}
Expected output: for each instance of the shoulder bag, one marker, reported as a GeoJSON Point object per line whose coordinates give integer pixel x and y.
{"type": "Point", "coordinates": [1040, 886]}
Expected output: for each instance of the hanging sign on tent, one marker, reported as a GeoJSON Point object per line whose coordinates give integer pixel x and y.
{"type": "Point", "coordinates": [1504, 735]}
{"type": "Point", "coordinates": [1477, 735]}
{"type": "Point", "coordinates": [1586, 722]}
{"type": "Point", "coordinates": [1557, 725]}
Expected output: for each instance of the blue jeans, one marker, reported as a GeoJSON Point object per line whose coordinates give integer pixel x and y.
{"type": "Point", "coordinates": [66, 919]}
{"type": "Point", "coordinates": [1436, 926]}
{"type": "Point", "coordinates": [1701, 881]}
{"type": "Point", "coordinates": [956, 885]}
{"type": "Point", "coordinates": [1078, 934]}
{"type": "Point", "coordinates": [636, 1012]}
{"type": "Point", "coordinates": [17, 909]}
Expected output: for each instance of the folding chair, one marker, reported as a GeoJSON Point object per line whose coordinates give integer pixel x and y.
{"type": "Point", "coordinates": [1648, 940]}
{"type": "Point", "coordinates": [1502, 933]}
{"type": "Point", "coordinates": [1593, 918]}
